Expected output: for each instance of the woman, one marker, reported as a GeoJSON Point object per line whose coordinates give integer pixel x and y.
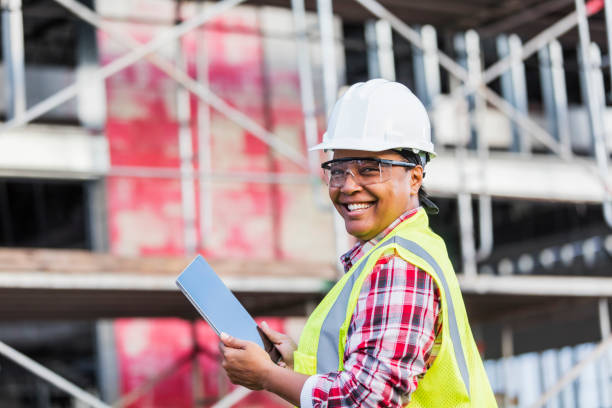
{"type": "Point", "coordinates": [393, 331]}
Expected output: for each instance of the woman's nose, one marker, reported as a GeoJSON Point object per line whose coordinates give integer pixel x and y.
{"type": "Point", "coordinates": [350, 183]}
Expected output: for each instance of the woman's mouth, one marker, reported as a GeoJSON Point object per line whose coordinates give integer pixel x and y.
{"type": "Point", "coordinates": [355, 208]}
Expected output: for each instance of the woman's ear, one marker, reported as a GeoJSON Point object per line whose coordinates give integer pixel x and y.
{"type": "Point", "coordinates": [416, 180]}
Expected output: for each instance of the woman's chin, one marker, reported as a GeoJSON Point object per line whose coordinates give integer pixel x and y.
{"type": "Point", "coordinates": [359, 231]}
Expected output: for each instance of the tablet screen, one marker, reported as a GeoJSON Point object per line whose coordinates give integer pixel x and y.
{"type": "Point", "coordinates": [216, 303]}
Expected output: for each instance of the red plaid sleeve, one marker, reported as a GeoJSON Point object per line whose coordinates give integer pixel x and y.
{"type": "Point", "coordinates": [390, 339]}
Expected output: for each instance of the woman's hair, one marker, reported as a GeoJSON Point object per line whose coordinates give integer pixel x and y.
{"type": "Point", "coordinates": [424, 199]}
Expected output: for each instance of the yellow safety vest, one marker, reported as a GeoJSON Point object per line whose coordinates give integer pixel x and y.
{"type": "Point", "coordinates": [457, 377]}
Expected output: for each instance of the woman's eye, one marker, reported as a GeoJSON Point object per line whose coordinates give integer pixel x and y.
{"type": "Point", "coordinates": [368, 170]}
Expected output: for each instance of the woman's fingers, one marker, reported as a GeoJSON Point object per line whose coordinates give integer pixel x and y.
{"type": "Point", "coordinates": [229, 354]}
{"type": "Point", "coordinates": [273, 335]}
{"type": "Point", "coordinates": [245, 362]}
{"type": "Point", "coordinates": [284, 344]}
{"type": "Point", "coordinates": [232, 342]}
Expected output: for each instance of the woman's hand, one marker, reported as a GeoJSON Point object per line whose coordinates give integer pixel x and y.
{"type": "Point", "coordinates": [284, 344]}
{"type": "Point", "coordinates": [249, 365]}
{"type": "Point", "coordinates": [245, 362]}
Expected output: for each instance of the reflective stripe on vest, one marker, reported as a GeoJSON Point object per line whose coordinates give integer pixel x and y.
{"type": "Point", "coordinates": [327, 350]}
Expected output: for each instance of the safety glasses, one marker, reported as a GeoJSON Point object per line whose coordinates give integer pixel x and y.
{"type": "Point", "coordinates": [364, 170]}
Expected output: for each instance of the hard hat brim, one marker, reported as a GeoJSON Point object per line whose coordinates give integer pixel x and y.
{"type": "Point", "coordinates": [352, 144]}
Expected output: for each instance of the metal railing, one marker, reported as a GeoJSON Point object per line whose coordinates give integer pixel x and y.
{"type": "Point", "coordinates": [133, 396]}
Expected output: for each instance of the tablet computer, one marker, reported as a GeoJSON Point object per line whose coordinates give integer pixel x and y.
{"type": "Point", "coordinates": [219, 307]}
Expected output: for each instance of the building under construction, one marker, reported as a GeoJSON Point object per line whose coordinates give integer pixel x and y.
{"type": "Point", "coordinates": [139, 133]}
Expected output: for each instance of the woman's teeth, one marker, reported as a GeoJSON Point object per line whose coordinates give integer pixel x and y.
{"type": "Point", "coordinates": [360, 206]}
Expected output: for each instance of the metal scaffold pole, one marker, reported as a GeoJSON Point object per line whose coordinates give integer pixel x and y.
{"type": "Point", "coordinates": [185, 143]}
{"type": "Point", "coordinates": [554, 93]}
{"type": "Point", "coordinates": [514, 88]}
{"type": "Point", "coordinates": [466, 46]}
{"type": "Point", "coordinates": [427, 70]}
{"type": "Point", "coordinates": [330, 84]}
{"type": "Point", "coordinates": [13, 57]}
{"type": "Point", "coordinates": [608, 14]}
{"type": "Point", "coordinates": [50, 376]}
{"type": "Point", "coordinates": [204, 143]}
{"type": "Point", "coordinates": [485, 210]}
{"type": "Point", "coordinates": [307, 96]}
{"type": "Point", "coordinates": [379, 39]}
{"type": "Point", "coordinates": [594, 101]}
{"type": "Point", "coordinates": [305, 73]}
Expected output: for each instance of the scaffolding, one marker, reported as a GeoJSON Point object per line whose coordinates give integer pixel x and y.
{"type": "Point", "coordinates": [470, 156]}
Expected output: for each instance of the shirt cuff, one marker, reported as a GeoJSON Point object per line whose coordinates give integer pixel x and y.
{"type": "Point", "coordinates": [307, 389]}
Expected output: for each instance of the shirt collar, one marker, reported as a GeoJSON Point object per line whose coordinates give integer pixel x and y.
{"type": "Point", "coordinates": [361, 248]}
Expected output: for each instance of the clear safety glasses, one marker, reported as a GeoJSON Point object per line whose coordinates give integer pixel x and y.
{"type": "Point", "coordinates": [364, 170]}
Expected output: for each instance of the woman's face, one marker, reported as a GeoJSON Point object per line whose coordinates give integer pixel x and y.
{"type": "Point", "coordinates": [381, 203]}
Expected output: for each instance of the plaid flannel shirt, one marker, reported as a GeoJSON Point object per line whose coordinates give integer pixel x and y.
{"type": "Point", "coordinates": [392, 340]}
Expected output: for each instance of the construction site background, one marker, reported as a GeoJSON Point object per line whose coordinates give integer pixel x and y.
{"type": "Point", "coordinates": [110, 186]}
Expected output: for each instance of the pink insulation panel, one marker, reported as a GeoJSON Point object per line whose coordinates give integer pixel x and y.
{"type": "Point", "coordinates": [150, 348]}
{"type": "Point", "coordinates": [249, 220]}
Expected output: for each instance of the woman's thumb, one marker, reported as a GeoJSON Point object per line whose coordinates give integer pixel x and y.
{"type": "Point", "coordinates": [273, 335]}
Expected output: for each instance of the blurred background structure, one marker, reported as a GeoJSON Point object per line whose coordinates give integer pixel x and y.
{"type": "Point", "coordinates": [138, 133]}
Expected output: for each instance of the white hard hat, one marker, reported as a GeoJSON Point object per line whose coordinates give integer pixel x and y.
{"type": "Point", "coordinates": [378, 115]}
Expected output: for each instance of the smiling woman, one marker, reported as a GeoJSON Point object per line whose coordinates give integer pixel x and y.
{"type": "Point", "coordinates": [374, 338]}
{"type": "Point", "coordinates": [367, 208]}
